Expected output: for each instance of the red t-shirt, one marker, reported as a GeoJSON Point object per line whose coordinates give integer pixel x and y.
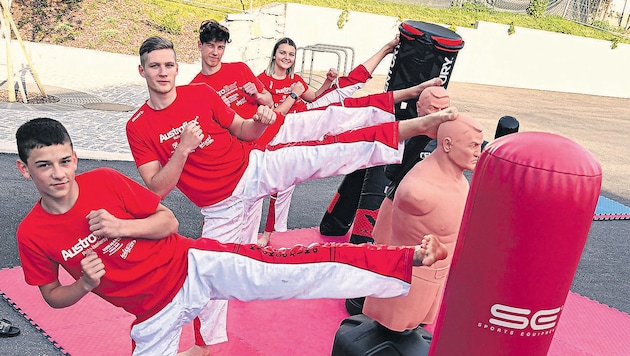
{"type": "Point", "coordinates": [141, 275]}
{"type": "Point", "coordinates": [281, 88]}
{"type": "Point", "coordinates": [214, 169]}
{"type": "Point", "coordinates": [228, 82]}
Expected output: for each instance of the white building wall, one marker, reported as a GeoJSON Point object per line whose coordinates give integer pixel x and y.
{"type": "Point", "coordinates": [528, 58]}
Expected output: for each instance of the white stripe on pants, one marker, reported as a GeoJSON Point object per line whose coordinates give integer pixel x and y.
{"type": "Point", "coordinates": [283, 202]}
{"type": "Point", "coordinates": [237, 218]}
{"type": "Point", "coordinates": [213, 274]}
{"type": "Point", "coordinates": [313, 125]}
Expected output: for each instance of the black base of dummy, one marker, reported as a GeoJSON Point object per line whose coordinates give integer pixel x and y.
{"type": "Point", "coordinates": [359, 335]}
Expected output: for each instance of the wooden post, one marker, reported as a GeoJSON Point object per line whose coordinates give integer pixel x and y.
{"type": "Point", "coordinates": [8, 26]}
{"type": "Point", "coordinates": [6, 32]}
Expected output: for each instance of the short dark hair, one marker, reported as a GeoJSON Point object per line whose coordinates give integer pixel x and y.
{"type": "Point", "coordinates": [40, 132]}
{"type": "Point", "coordinates": [152, 44]}
{"type": "Point", "coordinates": [211, 30]}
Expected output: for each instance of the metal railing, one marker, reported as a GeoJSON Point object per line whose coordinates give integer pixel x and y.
{"type": "Point", "coordinates": [594, 13]}
{"type": "Point", "coordinates": [345, 61]}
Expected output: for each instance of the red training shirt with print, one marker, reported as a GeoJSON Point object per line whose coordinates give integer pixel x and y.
{"type": "Point", "coordinates": [141, 275]}
{"type": "Point", "coordinates": [212, 170]}
{"type": "Point", "coordinates": [281, 88]}
{"type": "Point", "coordinates": [228, 82]}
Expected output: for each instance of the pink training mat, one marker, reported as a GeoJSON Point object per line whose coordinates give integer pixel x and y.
{"type": "Point", "coordinates": [279, 328]}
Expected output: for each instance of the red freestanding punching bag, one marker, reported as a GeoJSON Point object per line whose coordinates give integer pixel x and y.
{"type": "Point", "coordinates": [525, 224]}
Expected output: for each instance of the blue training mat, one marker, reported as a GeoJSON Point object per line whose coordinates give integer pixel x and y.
{"type": "Point", "coordinates": [608, 209]}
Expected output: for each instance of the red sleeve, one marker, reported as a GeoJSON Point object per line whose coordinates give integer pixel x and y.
{"type": "Point", "coordinates": [139, 202]}
{"type": "Point", "coordinates": [37, 267]}
{"type": "Point", "coordinates": [298, 78]}
{"type": "Point", "coordinates": [259, 85]}
{"type": "Point", "coordinates": [140, 151]}
{"type": "Point", "coordinates": [221, 113]}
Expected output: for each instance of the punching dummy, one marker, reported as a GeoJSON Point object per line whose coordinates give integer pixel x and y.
{"type": "Point", "coordinates": [429, 200]}
{"type": "Point", "coordinates": [431, 100]}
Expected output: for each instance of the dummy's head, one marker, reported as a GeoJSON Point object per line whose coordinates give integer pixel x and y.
{"type": "Point", "coordinates": [152, 44]}
{"type": "Point", "coordinates": [212, 31]}
{"type": "Point", "coordinates": [38, 133]}
{"type": "Point", "coordinates": [432, 99]}
{"type": "Point", "coordinates": [284, 47]}
{"type": "Point", "coordinates": [461, 140]}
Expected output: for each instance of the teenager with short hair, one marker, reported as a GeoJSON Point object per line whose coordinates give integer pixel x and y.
{"type": "Point", "coordinates": [116, 239]}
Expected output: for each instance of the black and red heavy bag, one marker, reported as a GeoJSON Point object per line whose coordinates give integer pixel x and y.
{"type": "Point", "coordinates": [527, 217]}
{"type": "Point", "coordinates": [425, 51]}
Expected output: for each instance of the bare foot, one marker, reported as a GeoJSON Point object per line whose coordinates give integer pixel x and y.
{"type": "Point", "coordinates": [428, 124]}
{"type": "Point", "coordinates": [196, 350]}
{"type": "Point", "coordinates": [264, 239]}
{"type": "Point", "coordinates": [433, 82]}
{"type": "Point", "coordinates": [429, 251]}
{"type": "Point", "coordinates": [415, 91]}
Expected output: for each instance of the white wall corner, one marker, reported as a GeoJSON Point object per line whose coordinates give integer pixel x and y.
{"type": "Point", "coordinates": [275, 9]}
{"type": "Point", "coordinates": [268, 25]}
{"type": "Point", "coordinates": [241, 17]}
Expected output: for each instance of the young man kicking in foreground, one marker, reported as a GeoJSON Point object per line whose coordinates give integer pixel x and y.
{"type": "Point", "coordinates": [116, 240]}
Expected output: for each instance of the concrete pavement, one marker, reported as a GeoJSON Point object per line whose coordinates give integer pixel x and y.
{"type": "Point", "coordinates": [82, 77]}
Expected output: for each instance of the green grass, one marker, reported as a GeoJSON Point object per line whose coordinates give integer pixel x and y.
{"type": "Point", "coordinates": [454, 16]}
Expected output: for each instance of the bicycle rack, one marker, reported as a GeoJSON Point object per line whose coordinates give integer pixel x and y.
{"type": "Point", "coordinates": [340, 51]}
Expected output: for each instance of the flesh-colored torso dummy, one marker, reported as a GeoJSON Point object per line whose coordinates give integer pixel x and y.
{"type": "Point", "coordinates": [429, 200]}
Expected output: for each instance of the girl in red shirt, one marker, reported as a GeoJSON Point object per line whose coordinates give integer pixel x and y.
{"type": "Point", "coordinates": [291, 94]}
